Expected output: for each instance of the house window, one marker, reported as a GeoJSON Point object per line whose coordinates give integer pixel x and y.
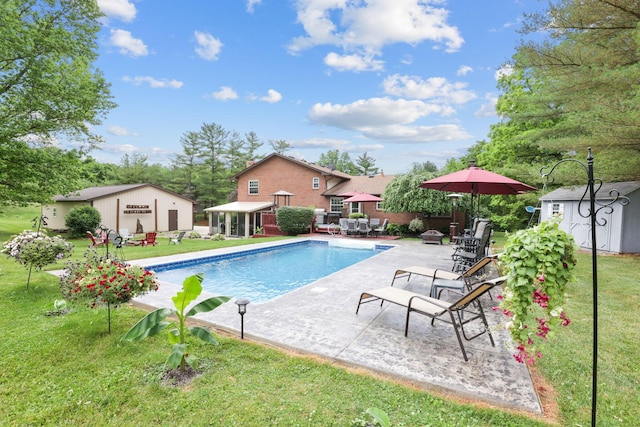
{"type": "Point", "coordinates": [315, 183]}
{"type": "Point", "coordinates": [55, 211]}
{"type": "Point", "coordinates": [253, 186]}
{"type": "Point", "coordinates": [336, 205]}
{"type": "Point", "coordinates": [379, 206]}
{"type": "Point", "coordinates": [355, 207]}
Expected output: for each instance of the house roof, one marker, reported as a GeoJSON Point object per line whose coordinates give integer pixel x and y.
{"type": "Point", "coordinates": [323, 170]}
{"type": "Point", "coordinates": [361, 184]}
{"type": "Point", "coordinates": [240, 207]}
{"type": "Point", "coordinates": [576, 193]}
{"type": "Point", "coordinates": [94, 193]}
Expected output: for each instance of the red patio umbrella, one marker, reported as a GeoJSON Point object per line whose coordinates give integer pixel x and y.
{"type": "Point", "coordinates": [476, 180]}
{"type": "Point", "coordinates": [363, 197]}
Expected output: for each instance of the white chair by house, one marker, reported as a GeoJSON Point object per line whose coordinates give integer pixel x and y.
{"type": "Point", "coordinates": [381, 230]}
{"type": "Point", "coordinates": [352, 227]}
{"type": "Point", "coordinates": [363, 228]}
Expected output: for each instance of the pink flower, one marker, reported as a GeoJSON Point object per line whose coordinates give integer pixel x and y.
{"type": "Point", "coordinates": [543, 328]}
{"type": "Point", "coordinates": [540, 298]}
{"type": "Point", "coordinates": [565, 319]}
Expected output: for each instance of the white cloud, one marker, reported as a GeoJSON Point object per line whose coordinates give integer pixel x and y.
{"type": "Point", "coordinates": [120, 131]}
{"type": "Point", "coordinates": [372, 112]}
{"type": "Point", "coordinates": [119, 9]}
{"type": "Point", "coordinates": [324, 143]}
{"type": "Point", "coordinates": [505, 70]}
{"type": "Point", "coordinates": [225, 93]}
{"type": "Point", "coordinates": [369, 26]}
{"type": "Point", "coordinates": [388, 119]}
{"type": "Point", "coordinates": [251, 5]}
{"type": "Point", "coordinates": [128, 44]}
{"type": "Point", "coordinates": [488, 109]}
{"type": "Point", "coordinates": [272, 97]}
{"type": "Point", "coordinates": [464, 70]}
{"type": "Point", "coordinates": [153, 82]}
{"type": "Point", "coordinates": [418, 134]}
{"type": "Point", "coordinates": [208, 47]}
{"type": "Point", "coordinates": [353, 62]}
{"type": "Point", "coordinates": [117, 151]}
{"type": "Point", "coordinates": [438, 89]}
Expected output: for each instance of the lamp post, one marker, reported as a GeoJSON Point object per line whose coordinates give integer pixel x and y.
{"type": "Point", "coordinates": [595, 206]}
{"type": "Point", "coordinates": [453, 227]}
{"type": "Point", "coordinates": [242, 309]}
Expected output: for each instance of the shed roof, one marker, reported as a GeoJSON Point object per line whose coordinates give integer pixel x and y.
{"type": "Point", "coordinates": [94, 193]}
{"type": "Point", "coordinates": [576, 193]}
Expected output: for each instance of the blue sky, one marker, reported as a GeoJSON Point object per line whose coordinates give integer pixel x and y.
{"type": "Point", "coordinates": [404, 80]}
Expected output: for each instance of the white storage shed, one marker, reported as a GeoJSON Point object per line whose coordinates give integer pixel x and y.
{"type": "Point", "coordinates": [123, 206]}
{"type": "Point", "coordinates": [621, 230]}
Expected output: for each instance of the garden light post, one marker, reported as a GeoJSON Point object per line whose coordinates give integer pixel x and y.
{"type": "Point", "coordinates": [453, 227]}
{"type": "Point", "coordinates": [242, 309]}
{"type": "Point", "coordinates": [593, 185]}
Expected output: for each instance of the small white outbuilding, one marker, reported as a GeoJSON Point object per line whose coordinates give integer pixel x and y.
{"type": "Point", "coordinates": [126, 206]}
{"type": "Point", "coordinates": [621, 230]}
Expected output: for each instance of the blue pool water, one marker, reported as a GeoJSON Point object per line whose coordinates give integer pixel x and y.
{"type": "Point", "coordinates": [265, 273]}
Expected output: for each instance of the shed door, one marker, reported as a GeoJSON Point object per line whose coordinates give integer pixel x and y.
{"type": "Point", "coordinates": [173, 219]}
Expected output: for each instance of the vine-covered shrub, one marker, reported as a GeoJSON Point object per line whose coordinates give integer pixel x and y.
{"type": "Point", "coordinates": [538, 262]}
{"type": "Point", "coordinates": [293, 219]}
{"type": "Point", "coordinates": [82, 219]}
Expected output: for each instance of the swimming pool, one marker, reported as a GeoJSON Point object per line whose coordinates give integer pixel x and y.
{"type": "Point", "coordinates": [265, 273]}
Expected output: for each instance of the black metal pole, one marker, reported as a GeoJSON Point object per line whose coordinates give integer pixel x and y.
{"type": "Point", "coordinates": [241, 326]}
{"type": "Point", "coordinates": [594, 273]}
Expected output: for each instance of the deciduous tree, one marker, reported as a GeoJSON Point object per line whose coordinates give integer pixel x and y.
{"type": "Point", "coordinates": [49, 89]}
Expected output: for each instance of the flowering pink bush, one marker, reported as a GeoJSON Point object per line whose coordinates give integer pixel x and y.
{"type": "Point", "coordinates": [539, 262]}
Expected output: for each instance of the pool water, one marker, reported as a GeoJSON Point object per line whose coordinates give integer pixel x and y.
{"type": "Point", "coordinates": [263, 274]}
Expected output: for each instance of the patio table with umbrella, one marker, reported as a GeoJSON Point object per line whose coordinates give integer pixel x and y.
{"type": "Point", "coordinates": [475, 180]}
{"type": "Point", "coordinates": [358, 197]}
{"type": "Point", "coordinates": [362, 198]}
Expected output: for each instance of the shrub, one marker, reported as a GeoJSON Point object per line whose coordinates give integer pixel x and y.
{"type": "Point", "coordinates": [194, 235]}
{"type": "Point", "coordinates": [356, 215]}
{"type": "Point", "coordinates": [416, 225]}
{"type": "Point", "coordinates": [105, 279]}
{"type": "Point", "coordinates": [36, 249]}
{"type": "Point", "coordinates": [393, 229]}
{"type": "Point", "coordinates": [293, 219]}
{"type": "Point", "coordinates": [217, 237]}
{"type": "Point", "coordinates": [82, 219]}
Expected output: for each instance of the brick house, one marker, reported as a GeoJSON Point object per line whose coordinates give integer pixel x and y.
{"type": "Point", "coordinates": [279, 180]}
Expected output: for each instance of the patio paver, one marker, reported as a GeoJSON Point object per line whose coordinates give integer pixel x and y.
{"type": "Point", "coordinates": [320, 319]}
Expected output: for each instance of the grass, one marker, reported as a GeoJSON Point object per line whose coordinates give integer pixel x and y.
{"type": "Point", "coordinates": [69, 370]}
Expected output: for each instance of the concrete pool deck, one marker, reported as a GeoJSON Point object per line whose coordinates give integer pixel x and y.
{"type": "Point", "coordinates": [320, 319]}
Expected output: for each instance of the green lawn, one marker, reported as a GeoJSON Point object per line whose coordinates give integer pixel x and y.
{"type": "Point", "coordinates": [68, 370]}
